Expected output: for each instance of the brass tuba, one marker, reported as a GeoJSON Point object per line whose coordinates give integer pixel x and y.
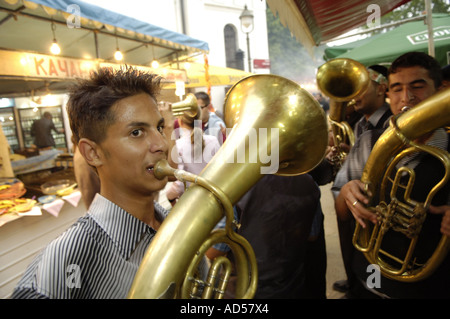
{"type": "Point", "coordinates": [255, 106]}
{"type": "Point", "coordinates": [188, 105]}
{"type": "Point", "coordinates": [341, 80]}
{"type": "Point", "coordinates": [403, 215]}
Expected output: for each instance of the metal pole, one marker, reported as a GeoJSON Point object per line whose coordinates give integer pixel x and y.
{"type": "Point", "coordinates": [429, 23]}
{"type": "Point", "coordinates": [97, 54]}
{"type": "Point", "coordinates": [248, 54]}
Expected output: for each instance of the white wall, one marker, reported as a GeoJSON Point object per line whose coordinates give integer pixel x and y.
{"type": "Point", "coordinates": [206, 21]}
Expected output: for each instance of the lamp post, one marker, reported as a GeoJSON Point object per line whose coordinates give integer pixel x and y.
{"type": "Point", "coordinates": [246, 18]}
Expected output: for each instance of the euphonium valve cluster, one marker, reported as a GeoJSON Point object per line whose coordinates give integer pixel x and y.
{"type": "Point", "coordinates": [277, 128]}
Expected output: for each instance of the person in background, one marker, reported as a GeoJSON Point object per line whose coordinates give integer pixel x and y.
{"type": "Point", "coordinates": [282, 218]}
{"type": "Point", "coordinates": [212, 124]}
{"type": "Point", "coordinates": [322, 101]}
{"type": "Point", "coordinates": [5, 160]}
{"type": "Point", "coordinates": [42, 129]}
{"type": "Point", "coordinates": [446, 76]}
{"type": "Point", "coordinates": [372, 103]}
{"type": "Point", "coordinates": [195, 150]}
{"type": "Point", "coordinates": [375, 115]}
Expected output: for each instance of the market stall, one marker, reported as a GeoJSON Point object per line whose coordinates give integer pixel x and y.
{"type": "Point", "coordinates": [26, 231]}
{"type": "Point", "coordinates": [40, 199]}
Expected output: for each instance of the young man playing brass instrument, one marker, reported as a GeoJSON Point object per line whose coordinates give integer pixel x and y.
{"type": "Point", "coordinates": [119, 131]}
{"type": "Point", "coordinates": [413, 78]}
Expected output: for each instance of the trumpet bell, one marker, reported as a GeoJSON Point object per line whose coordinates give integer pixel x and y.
{"type": "Point", "coordinates": [188, 105]}
{"type": "Point", "coordinates": [342, 79]}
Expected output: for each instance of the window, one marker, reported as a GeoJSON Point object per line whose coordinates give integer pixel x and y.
{"type": "Point", "coordinates": [234, 56]}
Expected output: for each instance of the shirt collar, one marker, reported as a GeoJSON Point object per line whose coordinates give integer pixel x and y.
{"type": "Point", "coordinates": [378, 114]}
{"type": "Point", "coordinates": [439, 139]}
{"type": "Point", "coordinates": [125, 230]}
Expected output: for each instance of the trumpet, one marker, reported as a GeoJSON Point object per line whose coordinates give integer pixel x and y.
{"type": "Point", "coordinates": [341, 80]}
{"type": "Point", "coordinates": [188, 105]}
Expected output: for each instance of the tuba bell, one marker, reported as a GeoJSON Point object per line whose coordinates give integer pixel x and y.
{"type": "Point", "coordinates": [341, 80]}
{"type": "Point", "coordinates": [254, 106]}
{"type": "Point", "coordinates": [188, 105]}
{"type": "Point", "coordinates": [403, 216]}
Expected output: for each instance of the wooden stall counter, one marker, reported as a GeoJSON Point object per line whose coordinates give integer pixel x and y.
{"type": "Point", "coordinates": [22, 236]}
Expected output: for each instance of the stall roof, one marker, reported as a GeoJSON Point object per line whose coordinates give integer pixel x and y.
{"type": "Point", "coordinates": [26, 26]}
{"type": "Point", "coordinates": [315, 22]}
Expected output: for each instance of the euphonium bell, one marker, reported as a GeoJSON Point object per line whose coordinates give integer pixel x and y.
{"type": "Point", "coordinates": [188, 105]}
{"type": "Point", "coordinates": [277, 128]}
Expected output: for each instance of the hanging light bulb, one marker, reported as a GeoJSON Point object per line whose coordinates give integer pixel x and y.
{"type": "Point", "coordinates": [54, 48]}
{"type": "Point", "coordinates": [155, 64]}
{"type": "Point", "coordinates": [118, 55]}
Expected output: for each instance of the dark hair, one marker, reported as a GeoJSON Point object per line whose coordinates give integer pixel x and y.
{"type": "Point", "coordinates": [446, 73]}
{"type": "Point", "coordinates": [47, 115]}
{"type": "Point", "coordinates": [91, 99]}
{"type": "Point", "coordinates": [203, 96]}
{"type": "Point", "coordinates": [421, 59]}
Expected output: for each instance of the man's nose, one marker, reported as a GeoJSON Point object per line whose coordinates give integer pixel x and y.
{"type": "Point", "coordinates": [407, 95]}
{"type": "Point", "coordinates": [158, 143]}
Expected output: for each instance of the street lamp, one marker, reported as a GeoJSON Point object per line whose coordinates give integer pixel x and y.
{"type": "Point", "coordinates": [247, 27]}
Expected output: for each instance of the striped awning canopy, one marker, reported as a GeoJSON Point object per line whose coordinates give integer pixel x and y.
{"type": "Point", "coordinates": [315, 22]}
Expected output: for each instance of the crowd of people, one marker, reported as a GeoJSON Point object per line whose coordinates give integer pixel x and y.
{"type": "Point", "coordinates": [121, 132]}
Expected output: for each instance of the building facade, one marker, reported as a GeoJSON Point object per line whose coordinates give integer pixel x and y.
{"type": "Point", "coordinates": [213, 21]}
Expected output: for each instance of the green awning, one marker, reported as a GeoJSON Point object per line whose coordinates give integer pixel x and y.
{"type": "Point", "coordinates": [411, 36]}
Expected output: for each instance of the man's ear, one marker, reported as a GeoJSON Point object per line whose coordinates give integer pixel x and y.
{"type": "Point", "coordinates": [90, 151]}
{"type": "Point", "coordinates": [382, 89]}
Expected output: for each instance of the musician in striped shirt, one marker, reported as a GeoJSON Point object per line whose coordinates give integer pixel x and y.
{"type": "Point", "coordinates": [119, 130]}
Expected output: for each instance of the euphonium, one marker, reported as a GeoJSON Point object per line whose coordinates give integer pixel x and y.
{"type": "Point", "coordinates": [341, 80]}
{"type": "Point", "coordinates": [188, 105]}
{"type": "Point", "coordinates": [404, 215]}
{"type": "Point", "coordinates": [255, 106]}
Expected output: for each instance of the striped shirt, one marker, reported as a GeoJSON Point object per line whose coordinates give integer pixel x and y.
{"type": "Point", "coordinates": [97, 257]}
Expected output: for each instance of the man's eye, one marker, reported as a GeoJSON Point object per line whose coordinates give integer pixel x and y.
{"type": "Point", "coordinates": [136, 132]}
{"type": "Point", "coordinates": [161, 129]}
